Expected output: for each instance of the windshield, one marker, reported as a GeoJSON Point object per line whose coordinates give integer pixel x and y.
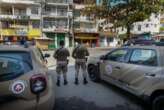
{"type": "Point", "coordinates": [14, 64]}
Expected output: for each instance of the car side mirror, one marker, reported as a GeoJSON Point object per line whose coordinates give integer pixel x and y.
{"type": "Point", "coordinates": [46, 55]}
{"type": "Point", "coordinates": [103, 57]}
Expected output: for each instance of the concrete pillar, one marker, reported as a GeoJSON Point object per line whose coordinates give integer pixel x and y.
{"type": "Point", "coordinates": [66, 40]}
{"type": "Point", "coordinates": [105, 42]}
{"type": "Point", "coordinates": [13, 10]}
{"type": "Point", "coordinates": [28, 11]}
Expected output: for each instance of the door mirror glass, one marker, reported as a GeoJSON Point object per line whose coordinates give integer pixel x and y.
{"type": "Point", "coordinates": [103, 57]}
{"type": "Point", "coordinates": [46, 55]}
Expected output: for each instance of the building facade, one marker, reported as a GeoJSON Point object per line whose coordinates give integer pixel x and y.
{"type": "Point", "coordinates": [19, 19]}
{"type": "Point", "coordinates": [151, 25]}
{"type": "Point", "coordinates": [57, 21]}
{"type": "Point", "coordinates": [85, 28]}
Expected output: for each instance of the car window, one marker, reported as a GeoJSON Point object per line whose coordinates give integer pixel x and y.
{"type": "Point", "coordinates": [118, 55]}
{"type": "Point", "coordinates": [144, 57]}
{"type": "Point", "coordinates": [14, 64]}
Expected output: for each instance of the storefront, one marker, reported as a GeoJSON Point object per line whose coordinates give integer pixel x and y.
{"type": "Point", "coordinates": [57, 37]}
{"type": "Point", "coordinates": [14, 35]}
{"type": "Point", "coordinates": [89, 39]}
{"type": "Point", "coordinates": [108, 39]}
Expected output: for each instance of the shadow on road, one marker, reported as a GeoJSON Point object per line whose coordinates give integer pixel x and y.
{"type": "Point", "coordinates": [75, 103]}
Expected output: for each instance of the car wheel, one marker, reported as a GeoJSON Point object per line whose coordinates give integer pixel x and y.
{"type": "Point", "coordinates": [158, 103]}
{"type": "Point", "coordinates": [93, 73]}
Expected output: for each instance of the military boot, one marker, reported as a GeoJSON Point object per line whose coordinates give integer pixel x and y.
{"type": "Point", "coordinates": [76, 81]}
{"type": "Point", "coordinates": [65, 82]}
{"type": "Point", "coordinates": [85, 81]}
{"type": "Point", "coordinates": [58, 83]}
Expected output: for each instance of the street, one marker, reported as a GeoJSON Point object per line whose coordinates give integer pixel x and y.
{"type": "Point", "coordinates": [93, 96]}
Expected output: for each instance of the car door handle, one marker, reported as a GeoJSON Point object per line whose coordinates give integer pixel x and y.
{"type": "Point", "coordinates": [117, 67]}
{"type": "Point", "coordinates": [151, 75]}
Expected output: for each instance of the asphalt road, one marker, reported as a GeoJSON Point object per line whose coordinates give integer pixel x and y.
{"type": "Point", "coordinates": [93, 96]}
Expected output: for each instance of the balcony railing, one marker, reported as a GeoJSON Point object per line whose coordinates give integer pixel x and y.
{"type": "Point", "coordinates": [52, 13]}
{"type": "Point", "coordinates": [87, 30]}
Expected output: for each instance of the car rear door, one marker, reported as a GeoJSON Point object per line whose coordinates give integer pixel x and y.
{"type": "Point", "coordinates": [143, 66]}
{"type": "Point", "coordinates": [112, 65]}
{"type": "Point", "coordinates": [15, 70]}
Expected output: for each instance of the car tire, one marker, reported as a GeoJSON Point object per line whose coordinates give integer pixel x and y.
{"type": "Point", "coordinates": [93, 72]}
{"type": "Point", "coordinates": [158, 103]}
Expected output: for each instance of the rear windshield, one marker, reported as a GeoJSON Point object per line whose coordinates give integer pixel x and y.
{"type": "Point", "coordinates": [14, 64]}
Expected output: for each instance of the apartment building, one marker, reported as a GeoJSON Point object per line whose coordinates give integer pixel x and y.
{"type": "Point", "coordinates": [85, 27]}
{"type": "Point", "coordinates": [57, 21]}
{"type": "Point", "coordinates": [19, 19]}
{"type": "Point", "coordinates": [160, 35]}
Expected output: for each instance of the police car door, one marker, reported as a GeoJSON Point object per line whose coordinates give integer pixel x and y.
{"type": "Point", "coordinates": [112, 64]}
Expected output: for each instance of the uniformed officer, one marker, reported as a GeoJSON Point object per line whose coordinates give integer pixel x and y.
{"type": "Point", "coordinates": [61, 55]}
{"type": "Point", "coordinates": [79, 54]}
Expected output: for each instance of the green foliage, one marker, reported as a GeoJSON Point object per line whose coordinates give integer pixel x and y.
{"type": "Point", "coordinates": [125, 14]}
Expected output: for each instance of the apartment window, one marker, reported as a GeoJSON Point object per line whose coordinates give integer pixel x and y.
{"type": "Point", "coordinates": [139, 27]}
{"type": "Point", "coordinates": [47, 8]}
{"type": "Point", "coordinates": [156, 15]}
{"type": "Point", "coordinates": [20, 11]}
{"type": "Point", "coordinates": [132, 27]}
{"type": "Point", "coordinates": [147, 25]}
{"type": "Point", "coordinates": [34, 10]}
{"type": "Point", "coordinates": [35, 24]}
{"type": "Point", "coordinates": [62, 11]}
{"type": "Point", "coordinates": [77, 25]}
{"type": "Point", "coordinates": [122, 29]}
{"type": "Point", "coordinates": [155, 25]}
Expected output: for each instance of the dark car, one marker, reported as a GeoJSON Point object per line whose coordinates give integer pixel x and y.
{"type": "Point", "coordinates": [160, 43]}
{"type": "Point", "coordinates": [139, 41]}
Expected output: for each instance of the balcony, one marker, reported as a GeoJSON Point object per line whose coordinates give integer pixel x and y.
{"type": "Point", "coordinates": [86, 30]}
{"type": "Point", "coordinates": [7, 16]}
{"type": "Point", "coordinates": [61, 1]}
{"type": "Point", "coordinates": [55, 15]}
{"type": "Point", "coordinates": [84, 19]}
{"type": "Point", "coordinates": [54, 29]}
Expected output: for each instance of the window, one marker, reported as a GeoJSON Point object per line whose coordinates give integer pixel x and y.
{"type": "Point", "coordinates": [144, 57]}
{"type": "Point", "coordinates": [118, 55]}
{"type": "Point", "coordinates": [139, 27]}
{"type": "Point", "coordinates": [14, 64]}
{"type": "Point", "coordinates": [35, 24]}
{"type": "Point", "coordinates": [34, 10]}
{"type": "Point", "coordinates": [147, 25]}
{"type": "Point", "coordinates": [155, 25]}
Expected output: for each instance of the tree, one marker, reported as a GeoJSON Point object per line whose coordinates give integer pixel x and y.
{"type": "Point", "coordinates": [124, 14]}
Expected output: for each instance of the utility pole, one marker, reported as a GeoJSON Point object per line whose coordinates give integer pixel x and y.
{"type": "Point", "coordinates": [42, 6]}
{"type": "Point", "coordinates": [71, 25]}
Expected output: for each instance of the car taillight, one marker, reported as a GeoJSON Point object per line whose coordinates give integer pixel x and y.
{"type": "Point", "coordinates": [38, 83]}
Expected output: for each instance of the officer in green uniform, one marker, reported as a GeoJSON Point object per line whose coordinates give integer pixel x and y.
{"type": "Point", "coordinates": [61, 55]}
{"type": "Point", "coordinates": [80, 53]}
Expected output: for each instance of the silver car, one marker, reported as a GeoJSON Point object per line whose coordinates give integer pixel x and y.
{"type": "Point", "coordinates": [138, 70]}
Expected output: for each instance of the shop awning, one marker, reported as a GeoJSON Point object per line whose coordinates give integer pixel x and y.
{"type": "Point", "coordinates": [92, 38]}
{"type": "Point", "coordinates": [107, 34]}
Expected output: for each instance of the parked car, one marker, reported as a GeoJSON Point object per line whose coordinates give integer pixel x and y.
{"type": "Point", "coordinates": [24, 80]}
{"type": "Point", "coordinates": [139, 41]}
{"type": "Point", "coordinates": [160, 43]}
{"type": "Point", "coordinates": [137, 69]}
